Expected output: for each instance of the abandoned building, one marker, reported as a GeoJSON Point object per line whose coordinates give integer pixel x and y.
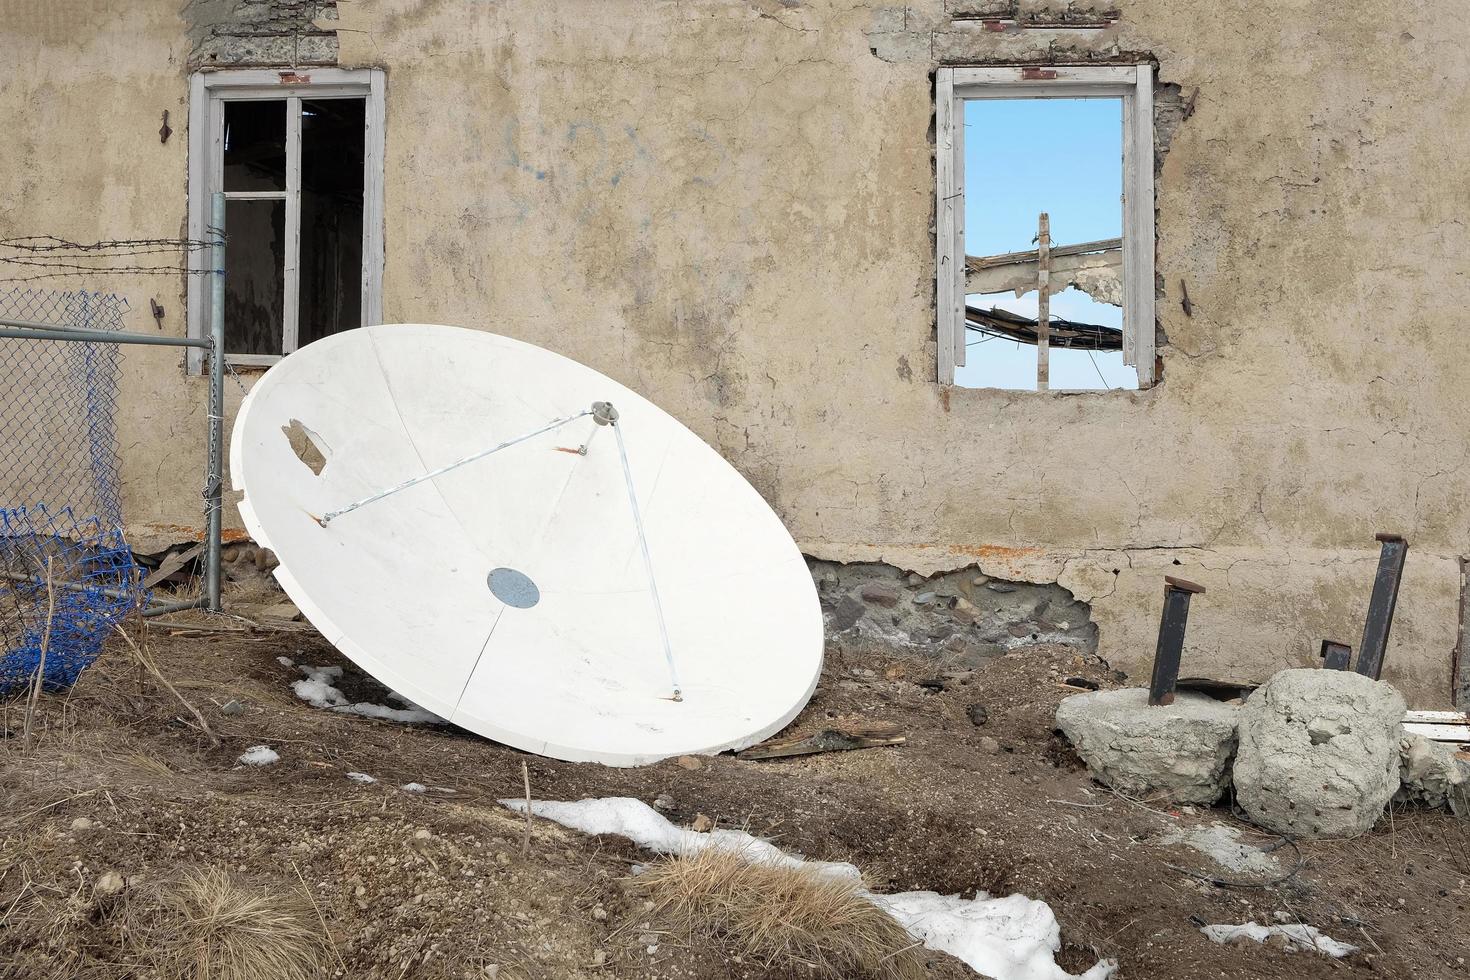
{"type": "Point", "coordinates": [769, 216]}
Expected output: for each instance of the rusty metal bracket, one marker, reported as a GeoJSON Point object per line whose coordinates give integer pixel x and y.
{"type": "Point", "coordinates": [1038, 74]}
{"type": "Point", "coordinates": [1335, 656]}
{"type": "Point", "coordinates": [1380, 607]}
{"type": "Point", "coordinates": [1171, 639]}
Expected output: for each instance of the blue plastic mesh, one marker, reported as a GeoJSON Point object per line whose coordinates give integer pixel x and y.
{"type": "Point", "coordinates": [92, 577]}
{"type": "Point", "coordinates": [60, 501]}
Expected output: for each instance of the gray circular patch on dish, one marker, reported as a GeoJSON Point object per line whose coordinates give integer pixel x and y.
{"type": "Point", "coordinates": [514, 588]}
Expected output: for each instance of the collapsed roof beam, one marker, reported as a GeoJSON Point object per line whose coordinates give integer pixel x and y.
{"type": "Point", "coordinates": [1096, 268]}
{"type": "Point", "coordinates": [1071, 334]}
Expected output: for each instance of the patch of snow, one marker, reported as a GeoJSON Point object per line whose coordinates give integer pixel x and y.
{"type": "Point", "coordinates": [320, 691]}
{"type": "Point", "coordinates": [361, 777]}
{"type": "Point", "coordinates": [1223, 845]}
{"type": "Point", "coordinates": [1012, 938]}
{"type": "Point", "coordinates": [405, 715]}
{"type": "Point", "coordinates": [259, 755]}
{"type": "Point", "coordinates": [414, 788]}
{"type": "Point", "coordinates": [646, 827]}
{"type": "Point", "coordinates": [285, 661]}
{"type": "Point", "coordinates": [318, 688]}
{"type": "Point", "coordinates": [1299, 936]}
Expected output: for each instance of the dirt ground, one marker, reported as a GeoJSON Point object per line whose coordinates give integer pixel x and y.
{"type": "Point", "coordinates": [437, 884]}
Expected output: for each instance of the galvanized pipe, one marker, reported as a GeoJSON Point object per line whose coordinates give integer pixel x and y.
{"type": "Point", "coordinates": [214, 486]}
{"type": "Point", "coordinates": [27, 330]}
{"type": "Point", "coordinates": [1380, 607]}
{"type": "Point", "coordinates": [110, 593]}
{"type": "Point", "coordinates": [172, 607]}
{"type": "Point", "coordinates": [1170, 646]}
{"type": "Point", "coordinates": [68, 586]}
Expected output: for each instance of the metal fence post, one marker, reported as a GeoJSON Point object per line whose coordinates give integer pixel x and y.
{"type": "Point", "coordinates": [214, 489]}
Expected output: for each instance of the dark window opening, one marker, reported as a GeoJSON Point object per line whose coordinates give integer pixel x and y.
{"type": "Point", "coordinates": [293, 221]}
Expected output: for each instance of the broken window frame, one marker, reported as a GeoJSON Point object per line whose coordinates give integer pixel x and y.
{"type": "Point", "coordinates": [1133, 84]}
{"type": "Point", "coordinates": [208, 93]}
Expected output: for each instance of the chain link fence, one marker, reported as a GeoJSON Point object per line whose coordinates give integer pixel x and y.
{"type": "Point", "coordinates": [66, 574]}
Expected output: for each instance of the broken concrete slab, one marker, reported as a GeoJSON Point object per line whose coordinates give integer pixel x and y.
{"type": "Point", "coordinates": [1319, 752]}
{"type": "Point", "coordinates": [1433, 774]}
{"type": "Point", "coordinates": [1181, 750]}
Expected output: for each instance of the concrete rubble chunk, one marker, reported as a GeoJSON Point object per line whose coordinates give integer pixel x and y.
{"type": "Point", "coordinates": [1433, 774]}
{"type": "Point", "coordinates": [1319, 752]}
{"type": "Point", "coordinates": [1181, 750]}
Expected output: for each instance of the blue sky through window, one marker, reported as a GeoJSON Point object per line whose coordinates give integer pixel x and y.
{"type": "Point", "coordinates": [1022, 157]}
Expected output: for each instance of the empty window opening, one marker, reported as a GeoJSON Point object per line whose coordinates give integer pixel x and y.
{"type": "Point", "coordinates": [1045, 231]}
{"type": "Point", "coordinates": [1062, 158]}
{"type": "Point", "coordinates": [300, 165]}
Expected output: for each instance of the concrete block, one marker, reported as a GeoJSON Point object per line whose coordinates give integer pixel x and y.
{"type": "Point", "coordinates": [1319, 752]}
{"type": "Point", "coordinates": [1433, 774]}
{"type": "Point", "coordinates": [1182, 750]}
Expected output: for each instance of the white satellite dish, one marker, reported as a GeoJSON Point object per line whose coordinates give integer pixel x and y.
{"type": "Point", "coordinates": [471, 543]}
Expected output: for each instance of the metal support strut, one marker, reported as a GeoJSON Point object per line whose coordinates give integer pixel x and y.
{"type": "Point", "coordinates": [607, 415]}
{"type": "Point", "coordinates": [1380, 607]}
{"type": "Point", "coordinates": [603, 413]}
{"type": "Point", "coordinates": [330, 516]}
{"type": "Point", "coordinates": [1171, 639]}
{"type": "Point", "coordinates": [1335, 656]}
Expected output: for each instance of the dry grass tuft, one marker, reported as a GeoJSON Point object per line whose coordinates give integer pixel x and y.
{"type": "Point", "coordinates": [211, 927]}
{"type": "Point", "coordinates": [784, 918]}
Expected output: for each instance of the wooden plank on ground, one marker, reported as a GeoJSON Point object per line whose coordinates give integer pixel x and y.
{"type": "Point", "coordinates": [862, 735]}
{"type": "Point", "coordinates": [171, 564]}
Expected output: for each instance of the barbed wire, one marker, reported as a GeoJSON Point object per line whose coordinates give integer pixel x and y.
{"type": "Point", "coordinates": [50, 243]}
{"type": "Point", "coordinates": [60, 257]}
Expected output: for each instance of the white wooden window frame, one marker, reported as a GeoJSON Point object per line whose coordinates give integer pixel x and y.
{"type": "Point", "coordinates": [1134, 84]}
{"type": "Point", "coordinates": [208, 93]}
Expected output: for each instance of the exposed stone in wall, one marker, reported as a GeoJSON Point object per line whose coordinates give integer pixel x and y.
{"type": "Point", "coordinates": [961, 616]}
{"type": "Point", "coordinates": [1069, 12]}
{"type": "Point", "coordinates": [261, 32]}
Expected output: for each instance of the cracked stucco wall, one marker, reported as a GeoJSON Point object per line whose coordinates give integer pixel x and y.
{"type": "Point", "coordinates": [241, 33]}
{"type": "Point", "coordinates": [728, 205]}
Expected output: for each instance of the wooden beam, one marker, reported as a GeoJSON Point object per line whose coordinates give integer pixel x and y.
{"type": "Point", "coordinates": [977, 263]}
{"type": "Point", "coordinates": [1043, 302]}
{"type": "Point", "coordinates": [1138, 227]}
{"type": "Point", "coordinates": [1099, 274]}
{"type": "Point", "coordinates": [948, 264]}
